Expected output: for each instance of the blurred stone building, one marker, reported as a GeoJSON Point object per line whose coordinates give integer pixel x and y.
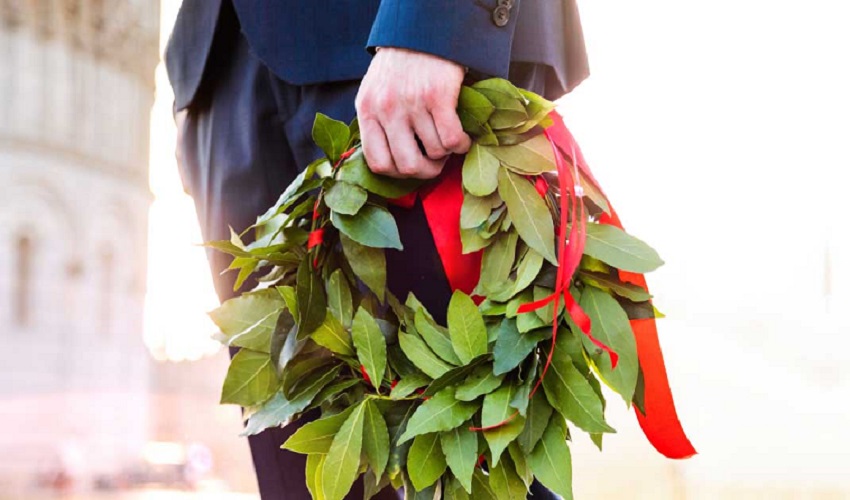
{"type": "Point", "coordinates": [76, 89]}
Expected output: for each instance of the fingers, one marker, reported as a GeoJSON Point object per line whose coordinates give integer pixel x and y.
{"type": "Point", "coordinates": [375, 148]}
{"type": "Point", "coordinates": [409, 160]}
{"type": "Point", "coordinates": [426, 131]}
{"type": "Point", "coordinates": [407, 95]}
{"type": "Point", "coordinates": [448, 126]}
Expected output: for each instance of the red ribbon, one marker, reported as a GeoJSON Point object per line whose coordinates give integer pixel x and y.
{"type": "Point", "coordinates": [315, 238]}
{"type": "Point", "coordinates": [442, 204]}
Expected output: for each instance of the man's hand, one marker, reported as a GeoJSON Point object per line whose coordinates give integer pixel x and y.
{"type": "Point", "coordinates": [407, 95]}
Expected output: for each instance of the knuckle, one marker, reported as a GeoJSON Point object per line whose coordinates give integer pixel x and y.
{"type": "Point", "coordinates": [435, 153]}
{"type": "Point", "coordinates": [453, 140]}
{"type": "Point", "coordinates": [384, 103]}
{"type": "Point", "coordinates": [407, 169]}
{"type": "Point", "coordinates": [380, 167]}
{"type": "Point", "coordinates": [431, 95]}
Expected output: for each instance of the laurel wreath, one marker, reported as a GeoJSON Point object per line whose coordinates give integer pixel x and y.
{"type": "Point", "coordinates": [476, 408]}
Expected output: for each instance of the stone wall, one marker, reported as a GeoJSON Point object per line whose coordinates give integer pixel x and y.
{"type": "Point", "coordinates": [76, 88]}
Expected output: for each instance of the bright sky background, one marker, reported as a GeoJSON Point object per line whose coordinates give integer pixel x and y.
{"type": "Point", "coordinates": [180, 289]}
{"type": "Point", "coordinates": [720, 131]}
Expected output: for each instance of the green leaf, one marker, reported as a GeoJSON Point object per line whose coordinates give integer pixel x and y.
{"type": "Point", "coordinates": [284, 346]}
{"type": "Point", "coordinates": [331, 391]}
{"type": "Point", "coordinates": [354, 130]}
{"type": "Point", "coordinates": [408, 384]}
{"type": "Point", "coordinates": [302, 183]}
{"type": "Point", "coordinates": [596, 438]}
{"type": "Point", "coordinates": [592, 193]}
{"type": "Point", "coordinates": [333, 336]}
{"type": "Point", "coordinates": [343, 459]}
{"type": "Point", "coordinates": [373, 485]}
{"type": "Point", "coordinates": [531, 157]}
{"type": "Point", "coordinates": [312, 305]}
{"type": "Point", "coordinates": [496, 409]}
{"type": "Point", "coordinates": [433, 492]}
{"type": "Point", "coordinates": [280, 409]}
{"type": "Point", "coordinates": [440, 413]}
{"type": "Point", "coordinates": [466, 327]}
{"type": "Point", "coordinates": [640, 393]}
{"type": "Point", "coordinates": [229, 248]}
{"type": "Point", "coordinates": [529, 268]}
{"type": "Point", "coordinates": [420, 355]}
{"type": "Point", "coordinates": [371, 346]}
{"type": "Point", "coordinates": [453, 490]}
{"type": "Point", "coordinates": [481, 487]}
{"type": "Point", "coordinates": [505, 482]}
{"type": "Point", "coordinates": [331, 136]}
{"type": "Point", "coordinates": [480, 171]}
{"type": "Point", "coordinates": [246, 268]}
{"type": "Point", "coordinates": [521, 464]}
{"type": "Point", "coordinates": [475, 210]}
{"type": "Point", "coordinates": [317, 436]}
{"type": "Point", "coordinates": [536, 420]}
{"type": "Point", "coordinates": [369, 264]}
{"type": "Point", "coordinates": [499, 85]}
{"type": "Point", "coordinates": [572, 395]}
{"type": "Point", "coordinates": [345, 198]}
{"type": "Point", "coordinates": [613, 285]}
{"type": "Point", "coordinates": [460, 446]}
{"type": "Point", "coordinates": [538, 108]}
{"type": "Point", "coordinates": [304, 370]}
{"type": "Point", "coordinates": [475, 104]}
{"type": "Point", "coordinates": [523, 391]}
{"type": "Point", "coordinates": [425, 461]}
{"type": "Point", "coordinates": [551, 462]}
{"type": "Point", "coordinates": [455, 376]}
{"type": "Point", "coordinates": [512, 346]}
{"type": "Point", "coordinates": [339, 298]}
{"type": "Point", "coordinates": [373, 226]}
{"type": "Point", "coordinates": [287, 293]}
{"type": "Point", "coordinates": [314, 475]}
{"type": "Point", "coordinates": [611, 326]}
{"type": "Point", "coordinates": [529, 213]}
{"type": "Point", "coordinates": [249, 319]}
{"type": "Point", "coordinates": [481, 381]}
{"type": "Point", "coordinates": [498, 260]}
{"type": "Point", "coordinates": [510, 111]}
{"type": "Point", "coordinates": [251, 379]}
{"type": "Point", "coordinates": [435, 336]}
{"type": "Point", "coordinates": [355, 171]}
{"type": "Point", "coordinates": [291, 348]}
{"type": "Point", "coordinates": [376, 438]}
{"type": "Point", "coordinates": [472, 241]}
{"type": "Point", "coordinates": [614, 246]}
{"type": "Point", "coordinates": [397, 417]}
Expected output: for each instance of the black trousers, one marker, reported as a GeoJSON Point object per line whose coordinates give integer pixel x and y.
{"type": "Point", "coordinates": [243, 140]}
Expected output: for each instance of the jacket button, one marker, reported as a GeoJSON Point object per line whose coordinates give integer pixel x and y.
{"type": "Point", "coordinates": [501, 15]}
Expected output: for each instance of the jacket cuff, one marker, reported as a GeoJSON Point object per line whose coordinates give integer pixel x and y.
{"type": "Point", "coordinates": [462, 31]}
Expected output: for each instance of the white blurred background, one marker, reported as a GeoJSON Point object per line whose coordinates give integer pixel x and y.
{"type": "Point", "coordinates": [720, 131]}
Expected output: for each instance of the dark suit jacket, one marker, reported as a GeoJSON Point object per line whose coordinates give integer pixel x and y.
{"type": "Point", "coordinates": [315, 41]}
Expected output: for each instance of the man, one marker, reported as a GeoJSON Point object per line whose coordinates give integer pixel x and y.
{"type": "Point", "coordinates": [250, 75]}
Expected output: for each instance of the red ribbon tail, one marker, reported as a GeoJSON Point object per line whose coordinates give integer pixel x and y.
{"type": "Point", "coordinates": [660, 424]}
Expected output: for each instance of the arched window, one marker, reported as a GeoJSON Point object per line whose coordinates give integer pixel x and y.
{"type": "Point", "coordinates": [22, 291]}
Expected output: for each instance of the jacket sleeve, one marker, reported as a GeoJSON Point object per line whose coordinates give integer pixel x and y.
{"type": "Point", "coordinates": [463, 31]}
